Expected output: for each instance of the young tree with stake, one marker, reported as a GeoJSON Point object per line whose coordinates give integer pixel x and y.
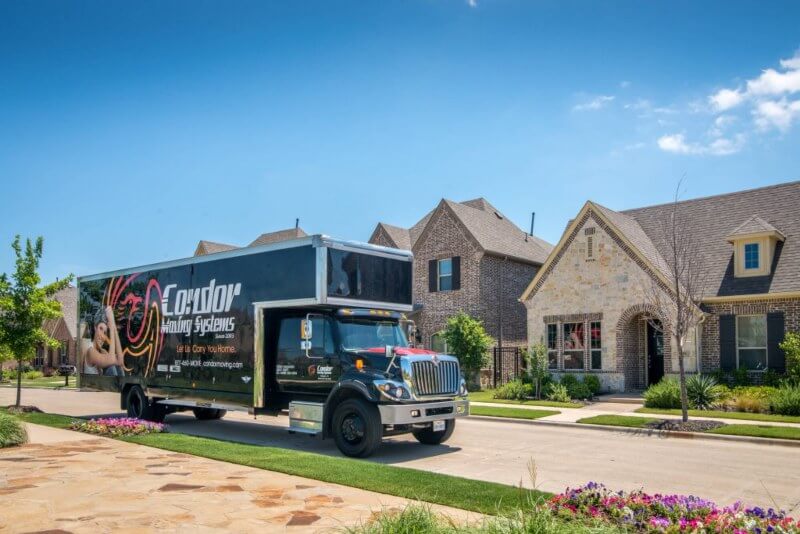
{"type": "Point", "coordinates": [25, 305]}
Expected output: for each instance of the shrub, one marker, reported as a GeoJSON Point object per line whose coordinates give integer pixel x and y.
{"type": "Point", "coordinates": [666, 394]}
{"type": "Point", "coordinates": [752, 399]}
{"type": "Point", "coordinates": [786, 400]}
{"type": "Point", "coordinates": [771, 378]}
{"type": "Point", "coordinates": [514, 390]}
{"type": "Point", "coordinates": [593, 383]}
{"type": "Point", "coordinates": [579, 391]}
{"type": "Point", "coordinates": [741, 377]}
{"type": "Point", "coordinates": [568, 380]}
{"type": "Point", "coordinates": [468, 340]}
{"type": "Point", "coordinates": [703, 391]}
{"type": "Point", "coordinates": [32, 375]}
{"type": "Point", "coordinates": [558, 393]}
{"type": "Point", "coordinates": [791, 347]}
{"type": "Point", "coordinates": [12, 432]}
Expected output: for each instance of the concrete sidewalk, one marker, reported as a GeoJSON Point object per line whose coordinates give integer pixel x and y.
{"type": "Point", "coordinates": [571, 415]}
{"type": "Point", "coordinates": [65, 481]}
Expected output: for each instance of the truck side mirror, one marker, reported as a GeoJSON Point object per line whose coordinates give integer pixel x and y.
{"type": "Point", "coordinates": [307, 333]}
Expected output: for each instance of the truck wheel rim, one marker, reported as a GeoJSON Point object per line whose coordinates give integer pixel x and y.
{"type": "Point", "coordinates": [353, 428]}
{"type": "Point", "coordinates": [136, 404]}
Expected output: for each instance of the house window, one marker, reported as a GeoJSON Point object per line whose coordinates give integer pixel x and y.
{"type": "Point", "coordinates": [445, 274]}
{"type": "Point", "coordinates": [38, 360]}
{"type": "Point", "coordinates": [751, 259]}
{"type": "Point", "coordinates": [438, 343]}
{"type": "Point", "coordinates": [552, 346]}
{"type": "Point", "coordinates": [751, 342]}
{"type": "Point", "coordinates": [574, 343]}
{"type": "Point", "coordinates": [63, 354]}
{"type": "Point", "coordinates": [595, 345]}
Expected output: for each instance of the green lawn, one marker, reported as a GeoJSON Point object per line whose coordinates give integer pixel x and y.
{"type": "Point", "coordinates": [486, 396]}
{"type": "Point", "coordinates": [759, 431]}
{"type": "Point", "coordinates": [474, 495]}
{"type": "Point", "coordinates": [629, 421]}
{"type": "Point", "coordinates": [718, 414]}
{"type": "Point", "coordinates": [44, 382]}
{"type": "Point", "coordinates": [516, 413]}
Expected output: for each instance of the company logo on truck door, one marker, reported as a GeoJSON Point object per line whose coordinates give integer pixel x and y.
{"type": "Point", "coordinates": [211, 299]}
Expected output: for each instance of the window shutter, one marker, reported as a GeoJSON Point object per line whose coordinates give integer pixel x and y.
{"type": "Point", "coordinates": [433, 276]}
{"type": "Point", "coordinates": [456, 272]}
{"type": "Point", "coordinates": [727, 342]}
{"type": "Point", "coordinates": [776, 359]}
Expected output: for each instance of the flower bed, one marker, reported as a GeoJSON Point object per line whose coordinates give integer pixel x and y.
{"type": "Point", "coordinates": [118, 426]}
{"type": "Point", "coordinates": [639, 512]}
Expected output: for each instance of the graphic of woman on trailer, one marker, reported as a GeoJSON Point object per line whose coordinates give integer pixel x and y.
{"type": "Point", "coordinates": [105, 354]}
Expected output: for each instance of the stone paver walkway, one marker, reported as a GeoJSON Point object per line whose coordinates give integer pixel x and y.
{"type": "Point", "coordinates": [71, 482]}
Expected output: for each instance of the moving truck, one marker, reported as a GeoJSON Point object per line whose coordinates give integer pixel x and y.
{"type": "Point", "coordinates": [315, 326]}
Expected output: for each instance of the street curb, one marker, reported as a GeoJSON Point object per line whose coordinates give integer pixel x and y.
{"type": "Point", "coordinates": [648, 432]}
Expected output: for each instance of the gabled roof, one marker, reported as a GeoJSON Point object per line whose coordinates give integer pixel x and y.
{"type": "Point", "coordinates": [490, 229]}
{"type": "Point", "coordinates": [755, 225]}
{"type": "Point", "coordinates": [763, 210]}
{"type": "Point", "coordinates": [68, 297]}
{"type": "Point", "coordinates": [280, 235]}
{"type": "Point", "coordinates": [210, 247]}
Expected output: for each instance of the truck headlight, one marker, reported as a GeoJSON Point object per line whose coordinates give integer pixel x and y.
{"type": "Point", "coordinates": [462, 388]}
{"type": "Point", "coordinates": [393, 390]}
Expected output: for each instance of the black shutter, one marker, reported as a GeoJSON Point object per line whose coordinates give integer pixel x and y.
{"type": "Point", "coordinates": [433, 276]}
{"type": "Point", "coordinates": [456, 272]}
{"type": "Point", "coordinates": [727, 342]}
{"type": "Point", "coordinates": [776, 360]}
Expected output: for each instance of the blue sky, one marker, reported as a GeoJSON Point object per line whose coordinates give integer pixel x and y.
{"type": "Point", "coordinates": [129, 131]}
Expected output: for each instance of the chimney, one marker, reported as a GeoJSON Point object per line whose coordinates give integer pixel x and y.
{"type": "Point", "coordinates": [533, 219]}
{"type": "Point", "coordinates": [297, 223]}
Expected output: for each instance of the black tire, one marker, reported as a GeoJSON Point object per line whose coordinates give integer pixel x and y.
{"type": "Point", "coordinates": [208, 414]}
{"type": "Point", "coordinates": [428, 437]}
{"type": "Point", "coordinates": [139, 405]}
{"type": "Point", "coordinates": [357, 428]}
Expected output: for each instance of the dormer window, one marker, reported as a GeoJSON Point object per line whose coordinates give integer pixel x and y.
{"type": "Point", "coordinates": [754, 244]}
{"type": "Point", "coordinates": [751, 256]}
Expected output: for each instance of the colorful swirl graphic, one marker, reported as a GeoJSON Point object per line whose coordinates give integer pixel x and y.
{"type": "Point", "coordinates": [147, 341]}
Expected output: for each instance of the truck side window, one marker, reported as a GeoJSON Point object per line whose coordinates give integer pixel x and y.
{"type": "Point", "coordinates": [289, 339]}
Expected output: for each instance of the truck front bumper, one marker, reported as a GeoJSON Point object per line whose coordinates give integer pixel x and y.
{"type": "Point", "coordinates": [424, 412]}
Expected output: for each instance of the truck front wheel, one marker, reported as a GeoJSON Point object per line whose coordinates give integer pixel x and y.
{"type": "Point", "coordinates": [357, 428]}
{"type": "Point", "coordinates": [140, 407]}
{"type": "Point", "coordinates": [429, 437]}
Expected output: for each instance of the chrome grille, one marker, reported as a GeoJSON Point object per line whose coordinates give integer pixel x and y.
{"type": "Point", "coordinates": [435, 379]}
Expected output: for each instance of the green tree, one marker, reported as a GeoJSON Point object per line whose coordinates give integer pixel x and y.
{"type": "Point", "coordinates": [791, 347]}
{"type": "Point", "coordinates": [468, 340]}
{"type": "Point", "coordinates": [25, 304]}
{"type": "Point", "coordinates": [536, 359]}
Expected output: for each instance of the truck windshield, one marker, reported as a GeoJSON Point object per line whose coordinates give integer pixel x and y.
{"type": "Point", "coordinates": [365, 334]}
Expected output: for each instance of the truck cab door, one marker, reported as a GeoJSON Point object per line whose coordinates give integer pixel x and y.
{"type": "Point", "coordinates": [306, 366]}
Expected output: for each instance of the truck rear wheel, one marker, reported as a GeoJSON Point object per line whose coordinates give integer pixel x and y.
{"type": "Point", "coordinates": [208, 414]}
{"type": "Point", "coordinates": [140, 407]}
{"type": "Point", "coordinates": [357, 428]}
{"type": "Point", "coordinates": [428, 437]}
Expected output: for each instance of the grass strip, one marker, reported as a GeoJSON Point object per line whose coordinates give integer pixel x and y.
{"type": "Point", "coordinates": [719, 414]}
{"type": "Point", "coordinates": [629, 421]}
{"type": "Point", "coordinates": [447, 490]}
{"type": "Point", "coordinates": [515, 413]}
{"type": "Point", "coordinates": [486, 396]}
{"type": "Point", "coordinates": [52, 382]}
{"type": "Point", "coordinates": [759, 431]}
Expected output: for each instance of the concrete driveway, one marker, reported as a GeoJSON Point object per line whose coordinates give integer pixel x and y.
{"type": "Point", "coordinates": [500, 451]}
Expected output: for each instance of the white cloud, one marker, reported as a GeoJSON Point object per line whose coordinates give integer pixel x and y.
{"type": "Point", "coordinates": [793, 63]}
{"type": "Point", "coordinates": [779, 114]}
{"type": "Point", "coordinates": [677, 144]}
{"type": "Point", "coordinates": [772, 82]}
{"type": "Point", "coordinates": [594, 104]}
{"type": "Point", "coordinates": [721, 123]}
{"type": "Point", "coordinates": [624, 84]}
{"type": "Point", "coordinates": [472, 3]}
{"type": "Point", "coordinates": [726, 99]}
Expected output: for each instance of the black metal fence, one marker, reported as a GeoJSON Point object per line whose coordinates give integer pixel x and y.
{"type": "Point", "coordinates": [507, 365]}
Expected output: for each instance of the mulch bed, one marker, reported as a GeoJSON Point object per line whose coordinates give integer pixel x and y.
{"type": "Point", "coordinates": [697, 425]}
{"type": "Point", "coordinates": [23, 409]}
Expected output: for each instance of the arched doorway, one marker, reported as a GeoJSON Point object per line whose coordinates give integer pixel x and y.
{"type": "Point", "coordinates": [643, 349]}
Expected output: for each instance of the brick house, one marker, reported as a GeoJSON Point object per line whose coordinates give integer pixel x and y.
{"type": "Point", "coordinates": [591, 301]}
{"type": "Point", "coordinates": [63, 330]}
{"type": "Point", "coordinates": [467, 257]}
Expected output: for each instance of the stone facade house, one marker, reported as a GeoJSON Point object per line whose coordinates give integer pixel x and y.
{"type": "Point", "coordinates": [591, 303]}
{"type": "Point", "coordinates": [211, 247]}
{"type": "Point", "coordinates": [467, 257]}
